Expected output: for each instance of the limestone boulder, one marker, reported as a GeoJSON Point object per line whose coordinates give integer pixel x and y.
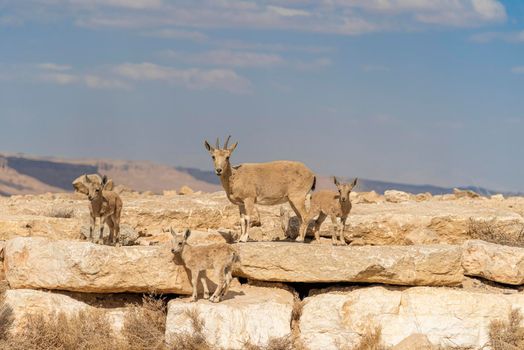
{"type": "Point", "coordinates": [497, 197]}
{"type": "Point", "coordinates": [395, 196]}
{"type": "Point", "coordinates": [248, 314]}
{"type": "Point", "coordinates": [185, 190]}
{"type": "Point", "coordinates": [377, 223]}
{"type": "Point", "coordinates": [24, 303]}
{"type": "Point", "coordinates": [421, 197]}
{"type": "Point", "coordinates": [38, 263]}
{"type": "Point", "coordinates": [430, 221]}
{"type": "Point", "coordinates": [298, 262]}
{"type": "Point", "coordinates": [128, 235]}
{"type": "Point", "coordinates": [366, 197]}
{"type": "Point", "coordinates": [448, 317]}
{"type": "Point", "coordinates": [494, 262]}
{"type": "Point", "coordinates": [465, 193]}
{"type": "Point", "coordinates": [415, 341]}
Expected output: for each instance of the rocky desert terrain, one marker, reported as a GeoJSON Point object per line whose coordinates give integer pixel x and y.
{"type": "Point", "coordinates": [420, 272]}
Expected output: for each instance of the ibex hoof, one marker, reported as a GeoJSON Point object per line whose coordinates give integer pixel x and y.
{"type": "Point", "coordinates": [299, 239]}
{"type": "Point", "coordinates": [192, 299]}
{"type": "Point", "coordinates": [214, 299]}
{"type": "Point", "coordinates": [206, 295]}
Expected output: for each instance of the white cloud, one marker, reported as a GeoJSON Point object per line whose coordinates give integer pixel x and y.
{"type": "Point", "coordinates": [345, 17]}
{"type": "Point", "coordinates": [228, 58]}
{"type": "Point", "coordinates": [510, 37]}
{"type": "Point", "coordinates": [54, 67]}
{"type": "Point", "coordinates": [490, 10]}
{"type": "Point", "coordinates": [287, 12]}
{"type": "Point", "coordinates": [222, 79]}
{"type": "Point", "coordinates": [132, 4]}
{"type": "Point", "coordinates": [88, 80]}
{"type": "Point", "coordinates": [98, 82]}
{"type": "Point", "coordinates": [278, 47]}
{"type": "Point", "coordinates": [60, 78]}
{"type": "Point", "coordinates": [518, 70]}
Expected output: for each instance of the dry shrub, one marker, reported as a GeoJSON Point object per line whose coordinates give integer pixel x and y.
{"type": "Point", "coordinates": [64, 213]}
{"type": "Point", "coordinates": [489, 231]}
{"type": "Point", "coordinates": [88, 330]}
{"type": "Point", "coordinates": [6, 320]}
{"type": "Point", "coordinates": [283, 343]}
{"type": "Point", "coordinates": [144, 325]}
{"type": "Point", "coordinates": [370, 340]}
{"type": "Point", "coordinates": [508, 334]}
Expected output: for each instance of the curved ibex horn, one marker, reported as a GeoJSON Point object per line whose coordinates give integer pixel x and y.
{"type": "Point", "coordinates": [225, 144]}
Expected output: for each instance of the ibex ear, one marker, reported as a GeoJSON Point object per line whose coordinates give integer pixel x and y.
{"type": "Point", "coordinates": [233, 147]}
{"type": "Point", "coordinates": [335, 181]}
{"type": "Point", "coordinates": [109, 185]}
{"type": "Point", "coordinates": [208, 146]}
{"type": "Point", "coordinates": [354, 183]}
{"type": "Point", "coordinates": [186, 234]}
{"type": "Point", "coordinates": [104, 180]}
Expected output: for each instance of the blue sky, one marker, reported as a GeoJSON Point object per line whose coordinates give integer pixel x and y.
{"type": "Point", "coordinates": [416, 91]}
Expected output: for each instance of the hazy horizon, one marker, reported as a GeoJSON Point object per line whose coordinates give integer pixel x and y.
{"type": "Point", "coordinates": [418, 92]}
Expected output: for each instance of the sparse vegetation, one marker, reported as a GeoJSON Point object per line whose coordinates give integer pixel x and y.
{"type": "Point", "coordinates": [64, 213]}
{"type": "Point", "coordinates": [84, 331]}
{"type": "Point", "coordinates": [370, 340]}
{"type": "Point", "coordinates": [143, 329]}
{"type": "Point", "coordinates": [507, 334]}
{"type": "Point", "coordinates": [489, 231]}
{"type": "Point", "coordinates": [144, 326]}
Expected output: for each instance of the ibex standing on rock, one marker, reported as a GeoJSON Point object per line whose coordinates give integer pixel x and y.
{"type": "Point", "coordinates": [199, 258]}
{"type": "Point", "coordinates": [104, 204]}
{"type": "Point", "coordinates": [262, 183]}
{"type": "Point", "coordinates": [335, 205]}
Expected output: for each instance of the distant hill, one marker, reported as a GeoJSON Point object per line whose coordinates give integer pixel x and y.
{"type": "Point", "coordinates": [23, 174]}
{"type": "Point", "coordinates": [326, 182]}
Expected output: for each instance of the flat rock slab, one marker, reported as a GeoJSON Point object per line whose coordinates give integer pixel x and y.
{"type": "Point", "coordinates": [26, 302]}
{"type": "Point", "coordinates": [432, 265]}
{"type": "Point", "coordinates": [448, 317]}
{"type": "Point", "coordinates": [494, 262]}
{"type": "Point", "coordinates": [248, 314]}
{"type": "Point", "coordinates": [39, 263]}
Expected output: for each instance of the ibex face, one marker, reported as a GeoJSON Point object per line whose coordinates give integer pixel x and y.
{"type": "Point", "coordinates": [344, 189]}
{"type": "Point", "coordinates": [220, 156]}
{"type": "Point", "coordinates": [177, 244]}
{"type": "Point", "coordinates": [94, 189]}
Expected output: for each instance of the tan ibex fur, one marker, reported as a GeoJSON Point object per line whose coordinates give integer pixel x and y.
{"type": "Point", "coordinates": [199, 258]}
{"type": "Point", "coordinates": [80, 185]}
{"type": "Point", "coordinates": [336, 205]}
{"type": "Point", "coordinates": [104, 204]}
{"type": "Point", "coordinates": [262, 183]}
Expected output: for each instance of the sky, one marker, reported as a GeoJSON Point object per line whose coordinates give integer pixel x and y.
{"type": "Point", "coordinates": [412, 91]}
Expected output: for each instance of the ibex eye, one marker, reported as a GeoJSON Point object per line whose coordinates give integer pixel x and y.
{"type": "Point", "coordinates": [213, 157]}
{"type": "Point", "coordinates": [227, 158]}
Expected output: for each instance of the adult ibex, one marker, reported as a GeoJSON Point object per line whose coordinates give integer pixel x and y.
{"type": "Point", "coordinates": [262, 183]}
